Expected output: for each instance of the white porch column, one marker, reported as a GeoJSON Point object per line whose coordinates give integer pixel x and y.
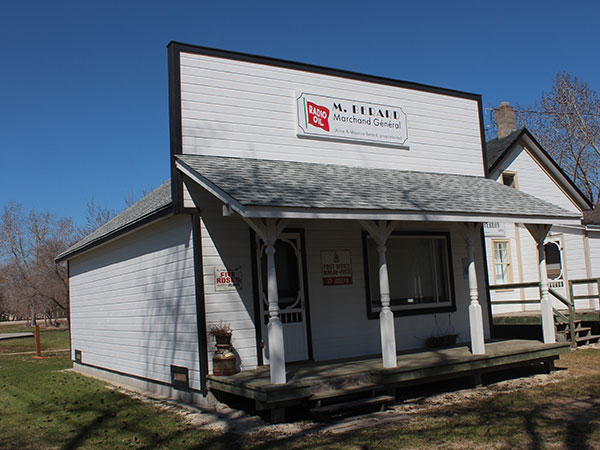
{"type": "Point", "coordinates": [274, 328]}
{"type": "Point", "coordinates": [268, 233]}
{"type": "Point", "coordinates": [475, 314]}
{"type": "Point", "coordinates": [381, 233]}
{"type": "Point", "coordinates": [539, 233]}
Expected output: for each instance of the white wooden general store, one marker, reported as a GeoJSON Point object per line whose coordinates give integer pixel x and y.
{"type": "Point", "coordinates": [323, 214]}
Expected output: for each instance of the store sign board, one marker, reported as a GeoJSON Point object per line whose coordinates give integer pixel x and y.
{"type": "Point", "coordinates": [351, 120]}
{"type": "Point", "coordinates": [228, 279]}
{"type": "Point", "coordinates": [494, 229]}
{"type": "Point", "coordinates": [336, 267]}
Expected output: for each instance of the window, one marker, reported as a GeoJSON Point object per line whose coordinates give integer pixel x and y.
{"type": "Point", "coordinates": [419, 271]}
{"type": "Point", "coordinates": [553, 260]}
{"type": "Point", "coordinates": [502, 265]}
{"type": "Point", "coordinates": [509, 179]}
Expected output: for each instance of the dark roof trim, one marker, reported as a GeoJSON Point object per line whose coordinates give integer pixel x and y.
{"type": "Point", "coordinates": [525, 132]}
{"type": "Point", "coordinates": [265, 60]}
{"type": "Point", "coordinates": [155, 215]}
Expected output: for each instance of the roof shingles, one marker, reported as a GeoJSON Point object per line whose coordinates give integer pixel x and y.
{"type": "Point", "coordinates": [157, 200]}
{"type": "Point", "coordinates": [267, 183]}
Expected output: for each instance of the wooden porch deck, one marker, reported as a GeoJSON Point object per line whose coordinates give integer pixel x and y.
{"type": "Point", "coordinates": [310, 382]}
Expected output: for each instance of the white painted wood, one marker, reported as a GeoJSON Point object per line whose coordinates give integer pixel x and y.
{"type": "Point", "coordinates": [475, 314]}
{"type": "Point", "coordinates": [226, 243]}
{"type": "Point", "coordinates": [234, 108]}
{"type": "Point", "coordinates": [133, 306]}
{"type": "Point", "coordinates": [339, 324]}
{"type": "Point", "coordinates": [322, 213]}
{"type": "Point", "coordinates": [275, 328]}
{"type": "Point", "coordinates": [533, 179]}
{"type": "Point", "coordinates": [381, 232]}
{"type": "Point", "coordinates": [539, 233]}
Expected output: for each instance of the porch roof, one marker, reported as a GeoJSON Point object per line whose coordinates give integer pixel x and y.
{"type": "Point", "coordinates": [270, 188]}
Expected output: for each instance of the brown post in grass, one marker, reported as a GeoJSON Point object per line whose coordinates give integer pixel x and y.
{"type": "Point", "coordinates": [38, 346]}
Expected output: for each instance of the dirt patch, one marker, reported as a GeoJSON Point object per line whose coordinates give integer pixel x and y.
{"type": "Point", "coordinates": [255, 431]}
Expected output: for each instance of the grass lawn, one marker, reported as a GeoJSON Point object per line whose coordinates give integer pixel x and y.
{"type": "Point", "coordinates": [43, 406]}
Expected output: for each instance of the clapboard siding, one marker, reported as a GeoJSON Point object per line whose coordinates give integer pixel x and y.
{"type": "Point", "coordinates": [594, 246]}
{"type": "Point", "coordinates": [226, 244]}
{"type": "Point", "coordinates": [335, 310]}
{"type": "Point", "coordinates": [133, 304]}
{"type": "Point", "coordinates": [236, 108]}
{"type": "Point", "coordinates": [534, 180]}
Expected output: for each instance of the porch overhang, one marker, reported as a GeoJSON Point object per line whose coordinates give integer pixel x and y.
{"type": "Point", "coordinates": [256, 188]}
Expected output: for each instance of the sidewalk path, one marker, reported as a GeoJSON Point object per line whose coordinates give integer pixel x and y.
{"type": "Point", "coordinates": [14, 335]}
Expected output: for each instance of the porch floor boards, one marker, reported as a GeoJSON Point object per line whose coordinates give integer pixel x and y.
{"type": "Point", "coordinates": [308, 379]}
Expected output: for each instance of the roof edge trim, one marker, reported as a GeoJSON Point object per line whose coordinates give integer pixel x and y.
{"type": "Point", "coordinates": [306, 67]}
{"type": "Point", "coordinates": [144, 220]}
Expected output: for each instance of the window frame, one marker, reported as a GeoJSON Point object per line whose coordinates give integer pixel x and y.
{"type": "Point", "coordinates": [509, 263]}
{"type": "Point", "coordinates": [450, 306]}
{"type": "Point", "coordinates": [515, 184]}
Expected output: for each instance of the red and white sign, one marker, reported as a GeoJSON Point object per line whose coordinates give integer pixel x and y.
{"type": "Point", "coordinates": [228, 279]}
{"type": "Point", "coordinates": [318, 116]}
{"type": "Point", "coordinates": [336, 267]}
{"type": "Point", "coordinates": [351, 120]}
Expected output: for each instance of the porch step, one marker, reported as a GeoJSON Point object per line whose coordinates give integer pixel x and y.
{"type": "Point", "coordinates": [589, 339]}
{"type": "Point", "coordinates": [338, 409]}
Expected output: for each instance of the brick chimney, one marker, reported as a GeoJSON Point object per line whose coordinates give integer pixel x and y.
{"type": "Point", "coordinates": [505, 119]}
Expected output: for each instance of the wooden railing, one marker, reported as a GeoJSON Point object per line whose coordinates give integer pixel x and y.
{"type": "Point", "coordinates": [588, 281]}
{"type": "Point", "coordinates": [534, 284]}
{"type": "Point", "coordinates": [509, 286]}
{"type": "Point", "coordinates": [571, 319]}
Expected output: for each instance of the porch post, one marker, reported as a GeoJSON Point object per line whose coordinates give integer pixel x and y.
{"type": "Point", "coordinates": [274, 328]}
{"type": "Point", "coordinates": [539, 233]}
{"type": "Point", "coordinates": [386, 316]}
{"type": "Point", "coordinates": [381, 233]}
{"type": "Point", "coordinates": [475, 314]}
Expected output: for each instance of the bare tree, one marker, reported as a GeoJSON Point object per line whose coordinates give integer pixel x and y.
{"type": "Point", "coordinates": [96, 216]}
{"type": "Point", "coordinates": [32, 283]}
{"type": "Point", "coordinates": [131, 197]}
{"type": "Point", "coordinates": [566, 121]}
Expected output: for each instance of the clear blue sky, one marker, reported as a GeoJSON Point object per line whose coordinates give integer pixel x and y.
{"type": "Point", "coordinates": [83, 86]}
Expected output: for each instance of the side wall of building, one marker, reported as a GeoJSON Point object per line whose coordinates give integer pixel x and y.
{"type": "Point", "coordinates": [133, 304]}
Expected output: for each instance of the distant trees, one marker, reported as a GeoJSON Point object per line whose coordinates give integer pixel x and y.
{"type": "Point", "coordinates": [31, 284]}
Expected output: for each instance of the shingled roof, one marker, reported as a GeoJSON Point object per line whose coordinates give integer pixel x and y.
{"type": "Point", "coordinates": [495, 148]}
{"type": "Point", "coordinates": [287, 184]}
{"type": "Point", "coordinates": [592, 217]}
{"type": "Point", "coordinates": [159, 200]}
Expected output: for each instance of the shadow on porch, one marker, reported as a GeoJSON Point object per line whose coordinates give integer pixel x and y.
{"type": "Point", "coordinates": [314, 384]}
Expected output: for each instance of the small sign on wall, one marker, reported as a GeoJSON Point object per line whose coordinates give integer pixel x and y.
{"type": "Point", "coordinates": [228, 279]}
{"type": "Point", "coordinates": [494, 229]}
{"type": "Point", "coordinates": [336, 267]}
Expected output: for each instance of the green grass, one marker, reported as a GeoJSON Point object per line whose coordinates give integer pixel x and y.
{"type": "Point", "coordinates": [42, 406]}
